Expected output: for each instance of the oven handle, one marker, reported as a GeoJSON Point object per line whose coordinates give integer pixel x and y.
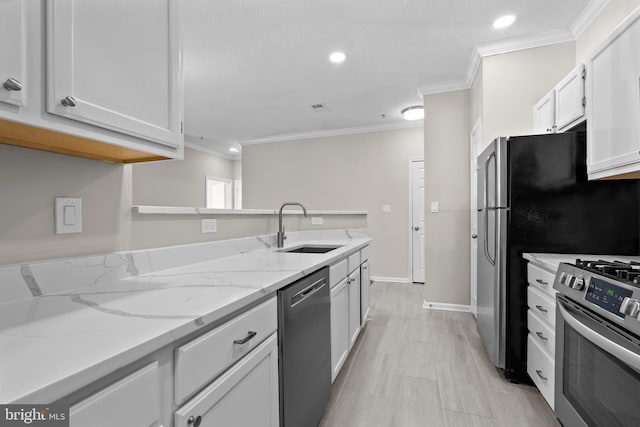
{"type": "Point", "coordinates": [625, 355]}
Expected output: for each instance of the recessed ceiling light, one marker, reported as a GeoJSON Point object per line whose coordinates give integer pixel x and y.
{"type": "Point", "coordinates": [413, 113]}
{"type": "Point", "coordinates": [337, 57]}
{"type": "Point", "coordinates": [234, 150]}
{"type": "Point", "coordinates": [504, 21]}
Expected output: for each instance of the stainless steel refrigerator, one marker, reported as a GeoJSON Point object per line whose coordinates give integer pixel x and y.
{"type": "Point", "coordinates": [533, 196]}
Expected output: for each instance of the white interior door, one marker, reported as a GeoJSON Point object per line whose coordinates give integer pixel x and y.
{"type": "Point", "coordinates": [475, 139]}
{"type": "Point", "coordinates": [417, 221]}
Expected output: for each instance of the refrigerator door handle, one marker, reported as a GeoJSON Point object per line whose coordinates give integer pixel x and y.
{"type": "Point", "coordinates": [487, 254]}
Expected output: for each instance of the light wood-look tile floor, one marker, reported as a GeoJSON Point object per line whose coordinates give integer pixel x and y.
{"type": "Point", "coordinates": [417, 367]}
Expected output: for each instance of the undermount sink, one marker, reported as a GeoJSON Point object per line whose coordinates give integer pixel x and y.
{"type": "Point", "coordinates": [311, 249]}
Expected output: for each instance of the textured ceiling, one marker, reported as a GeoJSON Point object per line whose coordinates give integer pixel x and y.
{"type": "Point", "coordinates": [253, 68]}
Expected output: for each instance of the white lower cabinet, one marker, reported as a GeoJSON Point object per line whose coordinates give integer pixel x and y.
{"type": "Point", "coordinates": [353, 282]}
{"type": "Point", "coordinates": [133, 401]}
{"type": "Point", "coordinates": [365, 285]}
{"type": "Point", "coordinates": [541, 369]}
{"type": "Point", "coordinates": [245, 395]}
{"type": "Point", "coordinates": [339, 327]}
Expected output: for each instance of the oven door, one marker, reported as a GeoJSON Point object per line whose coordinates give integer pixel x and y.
{"type": "Point", "coordinates": [597, 370]}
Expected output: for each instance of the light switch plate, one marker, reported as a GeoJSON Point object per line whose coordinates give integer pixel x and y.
{"type": "Point", "coordinates": [435, 207]}
{"type": "Point", "coordinates": [386, 208]}
{"type": "Point", "coordinates": [68, 215]}
{"type": "Point", "coordinates": [209, 225]}
{"type": "Point", "coordinates": [316, 220]}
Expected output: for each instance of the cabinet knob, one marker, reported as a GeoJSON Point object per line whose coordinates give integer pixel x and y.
{"type": "Point", "coordinates": [416, 228]}
{"type": "Point", "coordinates": [68, 101]}
{"type": "Point", "coordinates": [194, 421]}
{"type": "Point", "coordinates": [12, 84]}
{"type": "Point", "coordinates": [474, 236]}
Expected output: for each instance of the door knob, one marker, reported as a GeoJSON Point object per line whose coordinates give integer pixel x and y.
{"type": "Point", "coordinates": [474, 236]}
{"type": "Point", "coordinates": [68, 101]}
{"type": "Point", "coordinates": [416, 228]}
{"type": "Point", "coordinates": [12, 84]}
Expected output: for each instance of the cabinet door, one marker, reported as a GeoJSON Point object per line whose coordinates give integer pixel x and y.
{"type": "Point", "coordinates": [13, 51]}
{"type": "Point", "coordinates": [245, 395]}
{"type": "Point", "coordinates": [613, 103]}
{"type": "Point", "coordinates": [544, 114]}
{"type": "Point", "coordinates": [365, 284]}
{"type": "Point", "coordinates": [339, 327]}
{"type": "Point", "coordinates": [570, 98]}
{"type": "Point", "coordinates": [131, 402]}
{"type": "Point", "coordinates": [354, 306]}
{"type": "Point", "coordinates": [116, 64]}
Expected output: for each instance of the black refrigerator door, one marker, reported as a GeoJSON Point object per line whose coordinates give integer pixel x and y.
{"type": "Point", "coordinates": [554, 209]}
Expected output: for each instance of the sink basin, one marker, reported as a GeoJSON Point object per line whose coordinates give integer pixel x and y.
{"type": "Point", "coordinates": [311, 249]}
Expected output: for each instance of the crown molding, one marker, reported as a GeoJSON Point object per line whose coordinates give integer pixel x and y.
{"type": "Point", "coordinates": [526, 42]}
{"type": "Point", "coordinates": [335, 132]}
{"type": "Point", "coordinates": [587, 16]}
{"type": "Point", "coordinates": [442, 87]}
{"type": "Point", "coordinates": [473, 66]}
{"type": "Point", "coordinates": [210, 151]}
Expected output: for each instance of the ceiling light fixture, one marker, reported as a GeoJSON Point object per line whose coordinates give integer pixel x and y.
{"type": "Point", "coordinates": [234, 150]}
{"type": "Point", "coordinates": [504, 21]}
{"type": "Point", "coordinates": [413, 113]}
{"type": "Point", "coordinates": [337, 57]}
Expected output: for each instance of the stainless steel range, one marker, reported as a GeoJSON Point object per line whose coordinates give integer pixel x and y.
{"type": "Point", "coordinates": [598, 343]}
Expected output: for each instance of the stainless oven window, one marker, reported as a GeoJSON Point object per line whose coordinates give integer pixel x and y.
{"type": "Point", "coordinates": [603, 390]}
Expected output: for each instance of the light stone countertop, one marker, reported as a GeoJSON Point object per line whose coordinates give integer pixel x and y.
{"type": "Point", "coordinates": [54, 344]}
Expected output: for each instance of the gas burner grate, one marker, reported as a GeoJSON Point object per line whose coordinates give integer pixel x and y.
{"type": "Point", "coordinates": [624, 271]}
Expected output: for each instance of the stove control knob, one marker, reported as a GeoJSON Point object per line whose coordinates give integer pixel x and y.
{"type": "Point", "coordinates": [563, 278]}
{"type": "Point", "coordinates": [578, 284]}
{"type": "Point", "coordinates": [630, 307]}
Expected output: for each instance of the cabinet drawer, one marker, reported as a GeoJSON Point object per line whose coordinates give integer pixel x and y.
{"type": "Point", "coordinates": [201, 360]}
{"type": "Point", "coordinates": [133, 401]}
{"type": "Point", "coordinates": [542, 304]}
{"type": "Point", "coordinates": [245, 395]}
{"type": "Point", "coordinates": [364, 254]}
{"type": "Point", "coordinates": [353, 261]}
{"type": "Point", "coordinates": [542, 332]}
{"type": "Point", "coordinates": [337, 272]}
{"type": "Point", "coordinates": [541, 369]}
{"type": "Point", "coordinates": [541, 279]}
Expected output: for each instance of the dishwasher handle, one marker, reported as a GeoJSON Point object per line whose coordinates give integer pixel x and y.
{"type": "Point", "coordinates": [307, 292]}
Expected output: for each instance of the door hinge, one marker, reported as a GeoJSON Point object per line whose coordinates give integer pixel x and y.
{"type": "Point", "coordinates": [181, 126]}
{"type": "Point", "coordinates": [584, 73]}
{"type": "Point", "coordinates": [584, 101]}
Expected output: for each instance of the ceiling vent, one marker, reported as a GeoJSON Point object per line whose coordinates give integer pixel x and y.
{"type": "Point", "coordinates": [318, 108]}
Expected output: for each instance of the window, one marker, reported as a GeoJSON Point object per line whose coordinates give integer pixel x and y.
{"type": "Point", "coordinates": [219, 193]}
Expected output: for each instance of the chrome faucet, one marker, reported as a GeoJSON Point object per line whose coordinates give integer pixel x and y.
{"type": "Point", "coordinates": [280, 236]}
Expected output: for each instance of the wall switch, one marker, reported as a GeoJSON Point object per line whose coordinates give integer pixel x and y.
{"type": "Point", "coordinates": [435, 207]}
{"type": "Point", "coordinates": [209, 225]}
{"type": "Point", "coordinates": [386, 208]}
{"type": "Point", "coordinates": [68, 215]}
{"type": "Point", "coordinates": [316, 220]}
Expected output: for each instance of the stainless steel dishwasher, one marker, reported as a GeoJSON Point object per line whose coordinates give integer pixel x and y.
{"type": "Point", "coordinates": [304, 338]}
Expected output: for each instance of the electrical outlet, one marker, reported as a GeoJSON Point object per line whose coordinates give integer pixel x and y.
{"type": "Point", "coordinates": [68, 215]}
{"type": "Point", "coordinates": [209, 225]}
{"type": "Point", "coordinates": [435, 207]}
{"type": "Point", "coordinates": [386, 208]}
{"type": "Point", "coordinates": [316, 220]}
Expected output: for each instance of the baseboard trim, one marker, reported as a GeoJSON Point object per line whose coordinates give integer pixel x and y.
{"type": "Point", "coordinates": [448, 307]}
{"type": "Point", "coordinates": [390, 279]}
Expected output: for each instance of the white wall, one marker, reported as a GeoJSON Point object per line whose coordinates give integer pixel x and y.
{"type": "Point", "coordinates": [609, 18]}
{"type": "Point", "coordinates": [178, 182]}
{"type": "Point", "coordinates": [352, 172]}
{"type": "Point", "coordinates": [446, 153]}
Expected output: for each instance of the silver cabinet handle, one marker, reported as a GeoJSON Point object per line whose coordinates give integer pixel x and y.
{"type": "Point", "coordinates": [539, 372]}
{"type": "Point", "coordinates": [195, 421]}
{"type": "Point", "coordinates": [68, 101]}
{"type": "Point", "coordinates": [542, 282]}
{"type": "Point", "coordinates": [12, 84]}
{"type": "Point", "coordinates": [250, 335]}
{"type": "Point", "coordinates": [542, 337]}
{"type": "Point", "coordinates": [541, 308]}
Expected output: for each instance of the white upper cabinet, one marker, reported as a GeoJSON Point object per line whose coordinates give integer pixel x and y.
{"type": "Point", "coordinates": [544, 114]}
{"type": "Point", "coordinates": [116, 64]}
{"type": "Point", "coordinates": [563, 106]}
{"type": "Point", "coordinates": [613, 107]}
{"type": "Point", "coordinates": [13, 51]}
{"type": "Point", "coordinates": [570, 100]}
